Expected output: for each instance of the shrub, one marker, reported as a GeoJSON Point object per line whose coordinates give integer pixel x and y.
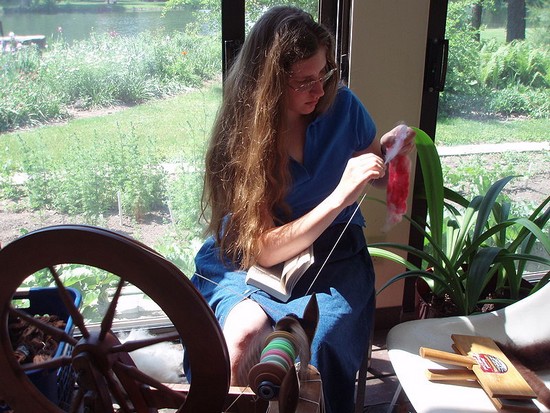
{"type": "Point", "coordinates": [102, 71]}
{"type": "Point", "coordinates": [23, 100]}
{"type": "Point", "coordinates": [521, 100]}
{"type": "Point", "coordinates": [539, 19]}
{"type": "Point", "coordinates": [484, 77]}
{"type": "Point", "coordinates": [115, 174]}
{"type": "Point", "coordinates": [184, 196]}
{"type": "Point", "coordinates": [464, 58]}
{"type": "Point", "coordinates": [513, 64]}
{"type": "Point", "coordinates": [463, 92]}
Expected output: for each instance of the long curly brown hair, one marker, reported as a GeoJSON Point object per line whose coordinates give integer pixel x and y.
{"type": "Point", "coordinates": [247, 174]}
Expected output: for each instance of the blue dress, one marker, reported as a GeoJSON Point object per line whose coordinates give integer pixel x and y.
{"type": "Point", "coordinates": [345, 286]}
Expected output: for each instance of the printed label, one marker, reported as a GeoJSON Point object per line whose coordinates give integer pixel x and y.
{"type": "Point", "coordinates": [490, 364]}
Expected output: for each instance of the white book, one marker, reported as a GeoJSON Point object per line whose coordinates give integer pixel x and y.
{"type": "Point", "coordinates": [280, 279]}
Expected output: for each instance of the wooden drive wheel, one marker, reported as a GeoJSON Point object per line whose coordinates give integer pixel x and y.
{"type": "Point", "coordinates": [105, 374]}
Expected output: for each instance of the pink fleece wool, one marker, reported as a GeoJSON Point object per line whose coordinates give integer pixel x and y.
{"type": "Point", "coordinates": [397, 190]}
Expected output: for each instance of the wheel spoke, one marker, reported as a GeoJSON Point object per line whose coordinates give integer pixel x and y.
{"type": "Point", "coordinates": [148, 380]}
{"type": "Point", "coordinates": [107, 322]}
{"type": "Point", "coordinates": [133, 388]}
{"type": "Point", "coordinates": [56, 333]}
{"type": "Point", "coordinates": [77, 401]}
{"type": "Point", "coordinates": [53, 363]}
{"type": "Point", "coordinates": [130, 346]}
{"type": "Point", "coordinates": [96, 353]}
{"type": "Point", "coordinates": [115, 389]}
{"type": "Point", "coordinates": [78, 319]}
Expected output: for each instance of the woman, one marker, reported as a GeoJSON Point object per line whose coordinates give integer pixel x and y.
{"type": "Point", "coordinates": [291, 152]}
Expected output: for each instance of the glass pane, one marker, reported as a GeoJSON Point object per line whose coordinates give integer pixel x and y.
{"type": "Point", "coordinates": [254, 9]}
{"type": "Point", "coordinates": [97, 288]}
{"type": "Point", "coordinates": [494, 112]}
{"type": "Point", "coordinates": [105, 110]}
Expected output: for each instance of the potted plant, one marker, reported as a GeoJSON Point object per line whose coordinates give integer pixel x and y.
{"type": "Point", "coordinates": [469, 244]}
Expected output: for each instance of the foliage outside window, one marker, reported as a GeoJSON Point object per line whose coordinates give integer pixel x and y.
{"type": "Point", "coordinates": [148, 163]}
{"type": "Point", "coordinates": [132, 171]}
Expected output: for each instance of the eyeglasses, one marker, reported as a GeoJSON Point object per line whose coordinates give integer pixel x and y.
{"type": "Point", "coordinates": [308, 86]}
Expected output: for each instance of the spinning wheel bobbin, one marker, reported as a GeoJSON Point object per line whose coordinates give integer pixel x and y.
{"type": "Point", "coordinates": [276, 360]}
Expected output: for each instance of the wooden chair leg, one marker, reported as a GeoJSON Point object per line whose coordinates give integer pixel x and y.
{"type": "Point", "coordinates": [362, 374]}
{"type": "Point", "coordinates": [362, 380]}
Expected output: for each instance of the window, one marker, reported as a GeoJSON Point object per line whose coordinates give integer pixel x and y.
{"type": "Point", "coordinates": [493, 115]}
{"type": "Point", "coordinates": [118, 105]}
{"type": "Point", "coordinates": [106, 124]}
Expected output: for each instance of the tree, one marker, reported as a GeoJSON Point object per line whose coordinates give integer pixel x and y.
{"type": "Point", "coordinates": [477, 11]}
{"type": "Point", "coordinates": [478, 7]}
{"type": "Point", "coordinates": [515, 25]}
{"type": "Point", "coordinates": [254, 8]}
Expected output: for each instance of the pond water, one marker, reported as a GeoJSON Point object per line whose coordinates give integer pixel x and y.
{"type": "Point", "coordinates": [78, 26]}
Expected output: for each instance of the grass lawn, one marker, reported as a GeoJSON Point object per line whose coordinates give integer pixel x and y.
{"type": "Point", "coordinates": [459, 131]}
{"type": "Point", "coordinates": [499, 33]}
{"type": "Point", "coordinates": [178, 125]}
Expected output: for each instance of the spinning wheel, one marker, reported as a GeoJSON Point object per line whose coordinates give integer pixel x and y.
{"type": "Point", "coordinates": [104, 372]}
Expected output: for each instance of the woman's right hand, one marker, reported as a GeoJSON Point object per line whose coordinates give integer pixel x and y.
{"type": "Point", "coordinates": [360, 170]}
{"type": "Point", "coordinates": [280, 243]}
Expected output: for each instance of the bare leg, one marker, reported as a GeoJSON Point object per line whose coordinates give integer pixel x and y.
{"type": "Point", "coordinates": [245, 330]}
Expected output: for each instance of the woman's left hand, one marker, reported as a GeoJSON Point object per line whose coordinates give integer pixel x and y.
{"type": "Point", "coordinates": [389, 139]}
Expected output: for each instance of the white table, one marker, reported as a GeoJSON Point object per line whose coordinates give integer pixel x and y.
{"type": "Point", "coordinates": [523, 323]}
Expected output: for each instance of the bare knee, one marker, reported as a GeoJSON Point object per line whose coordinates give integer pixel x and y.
{"type": "Point", "coordinates": [245, 330]}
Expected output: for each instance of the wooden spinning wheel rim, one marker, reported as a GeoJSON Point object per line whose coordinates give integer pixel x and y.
{"type": "Point", "coordinates": [133, 262]}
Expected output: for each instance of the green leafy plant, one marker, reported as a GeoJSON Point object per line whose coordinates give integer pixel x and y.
{"type": "Point", "coordinates": [469, 244]}
{"type": "Point", "coordinates": [123, 172]}
{"type": "Point", "coordinates": [485, 75]}
{"type": "Point", "coordinates": [37, 86]}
